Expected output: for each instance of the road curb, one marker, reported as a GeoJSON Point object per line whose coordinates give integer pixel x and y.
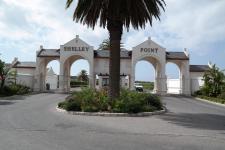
{"type": "Point", "coordinates": [105, 114]}
{"type": "Point", "coordinates": [210, 102]}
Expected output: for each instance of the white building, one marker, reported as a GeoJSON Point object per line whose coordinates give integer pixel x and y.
{"type": "Point", "coordinates": [189, 77]}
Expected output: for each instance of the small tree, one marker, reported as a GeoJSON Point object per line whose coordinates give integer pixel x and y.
{"type": "Point", "coordinates": [83, 76]}
{"type": "Point", "coordinates": [4, 72]}
{"type": "Point", "coordinates": [214, 82]}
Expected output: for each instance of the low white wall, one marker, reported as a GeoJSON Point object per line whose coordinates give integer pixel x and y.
{"type": "Point", "coordinates": [173, 86]}
{"type": "Point", "coordinates": [196, 81]}
{"type": "Point", "coordinates": [53, 81]}
{"type": "Point", "coordinates": [196, 84]}
{"type": "Point", "coordinates": [25, 79]}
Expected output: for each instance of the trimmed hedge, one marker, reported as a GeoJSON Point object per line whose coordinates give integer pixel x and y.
{"type": "Point", "coordinates": [89, 100]}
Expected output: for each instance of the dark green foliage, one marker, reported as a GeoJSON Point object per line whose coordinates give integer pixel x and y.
{"type": "Point", "coordinates": [130, 102]}
{"type": "Point", "coordinates": [14, 89]}
{"type": "Point", "coordinates": [105, 45]}
{"type": "Point", "coordinates": [153, 100]}
{"type": "Point", "coordinates": [133, 102]}
{"type": "Point", "coordinates": [199, 92]}
{"type": "Point", "coordinates": [75, 83]}
{"type": "Point", "coordinates": [83, 76]}
{"type": "Point", "coordinates": [214, 81]}
{"type": "Point", "coordinates": [130, 12]}
{"type": "Point", "coordinates": [222, 95]}
{"type": "Point", "coordinates": [89, 100]}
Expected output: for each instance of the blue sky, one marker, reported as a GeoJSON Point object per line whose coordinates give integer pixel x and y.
{"type": "Point", "coordinates": [198, 26]}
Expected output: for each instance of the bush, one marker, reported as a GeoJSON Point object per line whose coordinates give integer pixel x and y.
{"type": "Point", "coordinates": [222, 95]}
{"type": "Point", "coordinates": [153, 101]}
{"type": "Point", "coordinates": [213, 99]}
{"type": "Point", "coordinates": [15, 89]}
{"type": "Point", "coordinates": [133, 102]}
{"type": "Point", "coordinates": [199, 92]}
{"type": "Point", "coordinates": [75, 83]}
{"type": "Point", "coordinates": [130, 102]}
{"type": "Point", "coordinates": [89, 100]}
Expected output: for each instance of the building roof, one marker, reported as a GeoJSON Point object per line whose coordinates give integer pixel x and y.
{"type": "Point", "coordinates": [49, 53]}
{"type": "Point", "coordinates": [105, 54]}
{"type": "Point", "coordinates": [25, 65]}
{"type": "Point", "coordinates": [176, 56]}
{"type": "Point", "coordinates": [199, 68]}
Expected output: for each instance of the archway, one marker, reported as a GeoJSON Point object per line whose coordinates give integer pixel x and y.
{"type": "Point", "coordinates": [151, 63]}
{"type": "Point", "coordinates": [73, 66]}
{"type": "Point", "coordinates": [173, 78]}
{"type": "Point", "coordinates": [52, 75]}
{"type": "Point", "coordinates": [145, 75]}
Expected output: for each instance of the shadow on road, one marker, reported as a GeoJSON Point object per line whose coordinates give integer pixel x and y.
{"type": "Point", "coordinates": [199, 121]}
{"type": "Point", "coordinates": [15, 97]}
{"type": "Point", "coordinates": [6, 103]}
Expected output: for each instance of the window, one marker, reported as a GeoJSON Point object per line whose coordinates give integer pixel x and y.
{"type": "Point", "coordinates": [105, 81]}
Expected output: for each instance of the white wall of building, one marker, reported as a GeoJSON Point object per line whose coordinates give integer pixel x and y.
{"type": "Point", "coordinates": [173, 86]}
{"type": "Point", "coordinates": [52, 80]}
{"type": "Point", "coordinates": [196, 81]}
{"type": "Point", "coordinates": [25, 79]}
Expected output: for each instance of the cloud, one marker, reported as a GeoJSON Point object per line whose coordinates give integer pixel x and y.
{"type": "Point", "coordinates": [27, 24]}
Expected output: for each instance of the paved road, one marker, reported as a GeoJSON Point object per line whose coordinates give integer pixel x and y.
{"type": "Point", "coordinates": [32, 123]}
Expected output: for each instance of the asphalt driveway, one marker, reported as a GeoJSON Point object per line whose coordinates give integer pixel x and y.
{"type": "Point", "coordinates": [32, 123]}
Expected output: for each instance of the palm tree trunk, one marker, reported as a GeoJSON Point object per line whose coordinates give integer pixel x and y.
{"type": "Point", "coordinates": [115, 29]}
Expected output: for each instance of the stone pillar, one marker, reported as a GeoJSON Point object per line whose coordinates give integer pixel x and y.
{"type": "Point", "coordinates": [91, 75]}
{"type": "Point", "coordinates": [61, 78]}
{"type": "Point", "coordinates": [132, 76]}
{"type": "Point", "coordinates": [185, 78]}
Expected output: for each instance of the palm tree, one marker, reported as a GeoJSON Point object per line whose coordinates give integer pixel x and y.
{"type": "Point", "coordinates": [214, 81]}
{"type": "Point", "coordinates": [116, 14]}
{"type": "Point", "coordinates": [83, 76]}
{"type": "Point", "coordinates": [105, 45]}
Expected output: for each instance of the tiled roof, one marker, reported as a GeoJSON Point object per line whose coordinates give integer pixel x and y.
{"type": "Point", "coordinates": [176, 55]}
{"type": "Point", "coordinates": [105, 54]}
{"type": "Point", "coordinates": [49, 52]}
{"type": "Point", "coordinates": [199, 68]}
{"type": "Point", "coordinates": [25, 65]}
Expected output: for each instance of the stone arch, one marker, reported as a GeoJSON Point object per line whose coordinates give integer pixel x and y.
{"type": "Point", "coordinates": [159, 66]}
{"type": "Point", "coordinates": [65, 67]}
{"type": "Point", "coordinates": [184, 77]}
{"type": "Point", "coordinates": [40, 74]}
{"type": "Point", "coordinates": [174, 85]}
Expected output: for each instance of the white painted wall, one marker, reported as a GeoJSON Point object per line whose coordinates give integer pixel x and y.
{"type": "Point", "coordinates": [173, 86]}
{"type": "Point", "coordinates": [196, 81]}
{"type": "Point", "coordinates": [52, 80]}
{"type": "Point", "coordinates": [25, 79]}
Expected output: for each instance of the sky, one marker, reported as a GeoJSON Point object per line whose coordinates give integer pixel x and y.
{"type": "Point", "coordinates": [198, 26]}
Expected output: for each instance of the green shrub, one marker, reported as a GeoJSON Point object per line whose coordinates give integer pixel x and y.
{"type": "Point", "coordinates": [75, 83]}
{"type": "Point", "coordinates": [14, 89]}
{"type": "Point", "coordinates": [89, 100]}
{"type": "Point", "coordinates": [199, 92]}
{"type": "Point", "coordinates": [153, 101]}
{"type": "Point", "coordinates": [133, 102]}
{"type": "Point", "coordinates": [222, 95]}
